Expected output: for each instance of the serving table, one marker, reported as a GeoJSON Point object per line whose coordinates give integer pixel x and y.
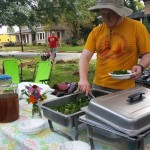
{"type": "Point", "coordinates": [11, 138]}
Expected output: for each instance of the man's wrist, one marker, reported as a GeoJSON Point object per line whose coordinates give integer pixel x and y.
{"type": "Point", "coordinates": [142, 68]}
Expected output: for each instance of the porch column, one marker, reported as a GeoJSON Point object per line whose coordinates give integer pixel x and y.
{"type": "Point", "coordinates": [30, 38]}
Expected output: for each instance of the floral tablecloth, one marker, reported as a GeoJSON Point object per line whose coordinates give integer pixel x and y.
{"type": "Point", "coordinates": [12, 139]}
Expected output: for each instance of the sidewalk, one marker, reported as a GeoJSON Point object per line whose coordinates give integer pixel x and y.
{"type": "Point", "coordinates": [60, 56]}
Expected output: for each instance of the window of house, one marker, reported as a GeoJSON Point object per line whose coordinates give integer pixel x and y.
{"type": "Point", "coordinates": [41, 35]}
{"type": "Point", "coordinates": [8, 39]}
{"type": "Point", "coordinates": [58, 35]}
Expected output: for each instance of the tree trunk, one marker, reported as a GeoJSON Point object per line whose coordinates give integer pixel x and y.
{"type": "Point", "coordinates": [21, 38]}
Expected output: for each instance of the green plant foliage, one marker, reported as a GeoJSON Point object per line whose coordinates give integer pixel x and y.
{"type": "Point", "coordinates": [17, 12]}
{"type": "Point", "coordinates": [135, 5]}
{"type": "Point", "coordinates": [146, 23]}
{"type": "Point", "coordinates": [68, 72]}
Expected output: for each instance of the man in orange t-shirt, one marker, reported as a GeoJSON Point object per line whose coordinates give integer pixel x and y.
{"type": "Point", "coordinates": [53, 43]}
{"type": "Point", "coordinates": [118, 42]}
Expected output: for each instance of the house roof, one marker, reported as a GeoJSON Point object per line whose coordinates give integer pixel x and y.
{"type": "Point", "coordinates": [23, 31]}
{"type": "Point", "coordinates": [38, 29]}
{"type": "Point", "coordinates": [137, 15]}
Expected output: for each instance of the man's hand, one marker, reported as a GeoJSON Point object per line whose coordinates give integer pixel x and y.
{"type": "Point", "coordinates": [84, 86]}
{"type": "Point", "coordinates": [138, 72]}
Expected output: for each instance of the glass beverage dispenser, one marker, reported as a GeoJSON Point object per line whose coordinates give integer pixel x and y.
{"type": "Point", "coordinates": [9, 103]}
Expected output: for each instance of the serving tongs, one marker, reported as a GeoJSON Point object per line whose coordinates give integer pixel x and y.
{"type": "Point", "coordinates": [90, 96]}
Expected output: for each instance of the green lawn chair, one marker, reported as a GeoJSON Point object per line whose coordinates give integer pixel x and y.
{"type": "Point", "coordinates": [13, 67]}
{"type": "Point", "coordinates": [42, 72]}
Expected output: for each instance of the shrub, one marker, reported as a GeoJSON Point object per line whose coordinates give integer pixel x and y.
{"type": "Point", "coordinates": [39, 44]}
{"type": "Point", "coordinates": [9, 44]}
{"type": "Point", "coordinates": [74, 42]}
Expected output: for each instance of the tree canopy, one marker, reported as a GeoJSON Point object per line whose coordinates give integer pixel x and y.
{"type": "Point", "coordinates": [17, 12]}
{"type": "Point", "coordinates": [47, 12]}
{"type": "Point", "coordinates": [29, 12]}
{"type": "Point", "coordinates": [135, 5]}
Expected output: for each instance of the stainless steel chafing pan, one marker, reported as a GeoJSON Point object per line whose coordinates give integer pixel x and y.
{"type": "Point", "coordinates": [127, 111]}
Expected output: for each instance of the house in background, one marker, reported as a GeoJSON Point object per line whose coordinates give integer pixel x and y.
{"type": "Point", "coordinates": [6, 38]}
{"type": "Point", "coordinates": [145, 14]}
{"type": "Point", "coordinates": [147, 6]}
{"type": "Point", "coordinates": [41, 34]}
{"type": "Point", "coordinates": [147, 9]}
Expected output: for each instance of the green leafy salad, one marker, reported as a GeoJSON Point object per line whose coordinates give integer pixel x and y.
{"type": "Point", "coordinates": [72, 107]}
{"type": "Point", "coordinates": [120, 72]}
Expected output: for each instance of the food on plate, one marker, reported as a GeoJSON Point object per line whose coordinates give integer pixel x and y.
{"type": "Point", "coordinates": [120, 72]}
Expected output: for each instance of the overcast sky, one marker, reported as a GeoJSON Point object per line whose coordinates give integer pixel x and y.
{"type": "Point", "coordinates": [4, 29]}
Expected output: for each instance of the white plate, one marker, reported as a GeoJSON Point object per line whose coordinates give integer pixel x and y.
{"type": "Point", "coordinates": [33, 131]}
{"type": "Point", "coordinates": [74, 145]}
{"type": "Point", "coordinates": [122, 76]}
{"type": "Point", "coordinates": [32, 126]}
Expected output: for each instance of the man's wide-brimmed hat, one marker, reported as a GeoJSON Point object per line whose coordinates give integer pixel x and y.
{"type": "Point", "coordinates": [115, 5]}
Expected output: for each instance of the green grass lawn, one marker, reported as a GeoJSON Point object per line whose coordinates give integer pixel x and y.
{"type": "Point", "coordinates": [63, 71]}
{"type": "Point", "coordinates": [69, 48]}
{"type": "Point", "coordinates": [65, 48]}
{"type": "Point", "coordinates": [68, 72]}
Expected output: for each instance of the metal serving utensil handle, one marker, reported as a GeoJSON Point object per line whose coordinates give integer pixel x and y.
{"type": "Point", "coordinates": [90, 95]}
{"type": "Point", "coordinates": [135, 97]}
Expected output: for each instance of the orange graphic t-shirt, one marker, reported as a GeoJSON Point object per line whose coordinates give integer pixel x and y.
{"type": "Point", "coordinates": [117, 49]}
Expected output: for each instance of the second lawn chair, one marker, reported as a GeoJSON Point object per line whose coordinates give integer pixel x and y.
{"type": "Point", "coordinates": [42, 72]}
{"type": "Point", "coordinates": [13, 67]}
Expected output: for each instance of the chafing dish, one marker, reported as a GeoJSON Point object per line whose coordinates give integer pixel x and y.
{"type": "Point", "coordinates": [122, 116]}
{"type": "Point", "coordinates": [70, 120]}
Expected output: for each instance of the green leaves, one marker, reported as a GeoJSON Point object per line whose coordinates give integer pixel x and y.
{"type": "Point", "coordinates": [135, 5]}
{"type": "Point", "coordinates": [72, 106]}
{"type": "Point", "coordinates": [17, 12]}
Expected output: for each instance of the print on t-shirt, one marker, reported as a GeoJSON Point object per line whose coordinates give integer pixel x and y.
{"type": "Point", "coordinates": [52, 39]}
{"type": "Point", "coordinates": [112, 47]}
